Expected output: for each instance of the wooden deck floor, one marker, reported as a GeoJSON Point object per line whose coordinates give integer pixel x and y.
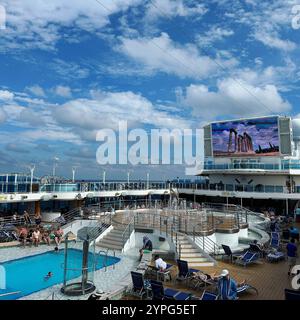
{"type": "Point", "coordinates": [269, 278]}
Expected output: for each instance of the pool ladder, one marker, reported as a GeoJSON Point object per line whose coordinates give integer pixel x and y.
{"type": "Point", "coordinates": [9, 293]}
{"type": "Point", "coordinates": [105, 254]}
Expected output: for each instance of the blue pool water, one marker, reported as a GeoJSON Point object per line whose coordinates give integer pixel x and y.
{"type": "Point", "coordinates": [27, 274]}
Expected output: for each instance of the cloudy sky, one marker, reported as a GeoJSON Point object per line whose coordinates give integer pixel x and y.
{"type": "Point", "coordinates": [70, 68]}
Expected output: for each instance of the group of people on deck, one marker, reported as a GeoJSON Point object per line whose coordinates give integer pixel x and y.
{"type": "Point", "coordinates": [35, 234]}
{"type": "Point", "coordinates": [40, 234]}
{"type": "Point", "coordinates": [227, 286]}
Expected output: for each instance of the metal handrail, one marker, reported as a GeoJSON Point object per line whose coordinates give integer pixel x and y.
{"type": "Point", "coordinates": [17, 220]}
{"type": "Point", "coordinates": [9, 293]}
{"type": "Point", "coordinates": [207, 244]}
{"type": "Point", "coordinates": [127, 230]}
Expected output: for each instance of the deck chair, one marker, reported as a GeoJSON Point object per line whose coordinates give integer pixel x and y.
{"type": "Point", "coordinates": [229, 253]}
{"type": "Point", "coordinates": [247, 258]}
{"type": "Point", "coordinates": [275, 235]}
{"type": "Point", "coordinates": [246, 287]}
{"type": "Point", "coordinates": [209, 296]}
{"type": "Point", "coordinates": [184, 272]}
{"type": "Point", "coordinates": [291, 294]}
{"type": "Point", "coordinates": [138, 284]}
{"type": "Point", "coordinates": [201, 280]}
{"type": "Point", "coordinates": [256, 249]}
{"type": "Point", "coordinates": [275, 241]}
{"type": "Point", "coordinates": [160, 275]}
{"type": "Point", "coordinates": [160, 293]}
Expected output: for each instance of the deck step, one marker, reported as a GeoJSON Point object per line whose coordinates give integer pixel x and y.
{"type": "Point", "coordinates": [112, 235]}
{"type": "Point", "coordinates": [191, 254]}
{"type": "Point", "coordinates": [196, 259]}
{"type": "Point", "coordinates": [190, 250]}
{"type": "Point", "coordinates": [187, 246]}
{"type": "Point", "coordinates": [112, 241]}
{"type": "Point", "coordinates": [201, 264]}
{"type": "Point", "coordinates": [109, 246]}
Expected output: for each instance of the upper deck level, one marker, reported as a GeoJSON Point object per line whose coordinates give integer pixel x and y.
{"type": "Point", "coordinates": [259, 146]}
{"type": "Point", "coordinates": [233, 166]}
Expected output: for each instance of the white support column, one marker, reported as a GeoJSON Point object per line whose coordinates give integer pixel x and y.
{"type": "Point", "coordinates": [103, 177]}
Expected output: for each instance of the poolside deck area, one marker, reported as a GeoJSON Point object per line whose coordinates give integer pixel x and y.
{"type": "Point", "coordinates": [270, 279]}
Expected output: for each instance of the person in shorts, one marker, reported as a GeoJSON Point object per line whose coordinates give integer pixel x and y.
{"type": "Point", "coordinates": [291, 249]}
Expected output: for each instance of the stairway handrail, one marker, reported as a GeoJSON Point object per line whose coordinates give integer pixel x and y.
{"type": "Point", "coordinates": [127, 229]}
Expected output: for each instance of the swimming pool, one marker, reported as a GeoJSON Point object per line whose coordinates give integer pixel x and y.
{"type": "Point", "coordinates": [27, 274]}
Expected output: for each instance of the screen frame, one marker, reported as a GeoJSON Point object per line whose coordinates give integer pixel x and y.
{"type": "Point", "coordinates": [247, 156]}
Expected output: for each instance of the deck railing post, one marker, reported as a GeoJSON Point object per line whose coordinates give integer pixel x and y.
{"type": "Point", "coordinates": [160, 224]}
{"type": "Point", "coordinates": [194, 234]}
{"type": "Point", "coordinates": [166, 227]}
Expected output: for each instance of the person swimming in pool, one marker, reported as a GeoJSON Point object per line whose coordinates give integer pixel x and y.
{"type": "Point", "coordinates": [48, 276]}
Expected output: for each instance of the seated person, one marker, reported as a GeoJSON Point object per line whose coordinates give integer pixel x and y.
{"type": "Point", "coordinates": [23, 235]}
{"type": "Point", "coordinates": [52, 234]}
{"type": "Point", "coordinates": [160, 264]}
{"type": "Point", "coordinates": [227, 287]}
{"type": "Point", "coordinates": [58, 235]}
{"type": "Point", "coordinates": [203, 277]}
{"type": "Point", "coordinates": [147, 243]}
{"type": "Point", "coordinates": [29, 236]}
{"type": "Point", "coordinates": [46, 236]}
{"type": "Point", "coordinates": [36, 237]}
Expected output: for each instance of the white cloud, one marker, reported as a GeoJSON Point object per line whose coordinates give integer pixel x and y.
{"type": "Point", "coordinates": [2, 116]}
{"type": "Point", "coordinates": [49, 134]}
{"type": "Point", "coordinates": [69, 70]}
{"type": "Point", "coordinates": [282, 76]}
{"type": "Point", "coordinates": [174, 8]}
{"type": "Point", "coordinates": [268, 21]}
{"type": "Point", "coordinates": [106, 109]}
{"type": "Point", "coordinates": [230, 99]}
{"type": "Point", "coordinates": [37, 23]}
{"type": "Point", "coordinates": [16, 147]}
{"type": "Point", "coordinates": [273, 40]}
{"type": "Point", "coordinates": [37, 90]}
{"type": "Point", "coordinates": [6, 95]}
{"type": "Point", "coordinates": [13, 110]}
{"type": "Point", "coordinates": [31, 117]}
{"type": "Point", "coordinates": [214, 34]}
{"type": "Point", "coordinates": [63, 91]}
{"type": "Point", "coordinates": [161, 54]}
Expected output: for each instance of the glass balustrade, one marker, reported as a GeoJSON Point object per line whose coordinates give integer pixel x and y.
{"type": "Point", "coordinates": [124, 186]}
{"type": "Point", "coordinates": [284, 165]}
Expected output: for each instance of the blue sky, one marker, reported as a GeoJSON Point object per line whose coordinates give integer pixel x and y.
{"type": "Point", "coordinates": [70, 68]}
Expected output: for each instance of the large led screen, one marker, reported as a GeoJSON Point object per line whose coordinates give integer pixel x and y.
{"type": "Point", "coordinates": [246, 138]}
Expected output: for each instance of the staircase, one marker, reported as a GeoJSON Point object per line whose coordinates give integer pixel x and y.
{"type": "Point", "coordinates": [192, 254]}
{"type": "Point", "coordinates": [118, 236]}
{"type": "Point", "coordinates": [114, 239]}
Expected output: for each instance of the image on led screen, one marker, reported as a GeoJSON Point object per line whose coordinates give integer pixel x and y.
{"type": "Point", "coordinates": [249, 137]}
